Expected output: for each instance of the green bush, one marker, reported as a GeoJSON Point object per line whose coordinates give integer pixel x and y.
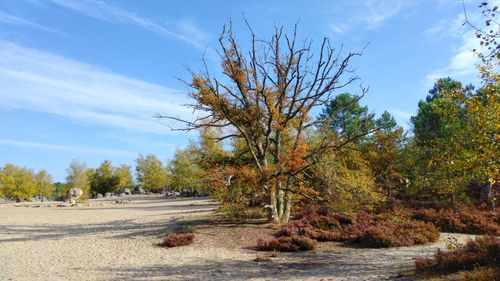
{"type": "Point", "coordinates": [240, 212]}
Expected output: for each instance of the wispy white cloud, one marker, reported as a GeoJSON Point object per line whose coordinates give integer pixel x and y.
{"type": "Point", "coordinates": [400, 113]}
{"type": "Point", "coordinates": [65, 148]}
{"type": "Point", "coordinates": [40, 81]}
{"type": "Point", "coordinates": [402, 117]}
{"type": "Point", "coordinates": [462, 63]}
{"type": "Point", "coordinates": [14, 20]}
{"type": "Point", "coordinates": [184, 30]}
{"type": "Point", "coordinates": [371, 14]}
{"type": "Point", "coordinates": [445, 28]}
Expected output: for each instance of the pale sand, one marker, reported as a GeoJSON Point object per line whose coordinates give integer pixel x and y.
{"type": "Point", "coordinates": [107, 241]}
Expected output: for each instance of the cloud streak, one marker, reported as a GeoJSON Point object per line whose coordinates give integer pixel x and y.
{"type": "Point", "coordinates": [65, 148]}
{"type": "Point", "coordinates": [462, 64]}
{"type": "Point", "coordinates": [13, 20]}
{"type": "Point", "coordinates": [371, 14]}
{"type": "Point", "coordinates": [184, 30]}
{"type": "Point", "coordinates": [43, 82]}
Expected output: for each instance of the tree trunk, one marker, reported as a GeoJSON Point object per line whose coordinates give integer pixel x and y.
{"type": "Point", "coordinates": [288, 206]}
{"type": "Point", "coordinates": [281, 199]}
{"type": "Point", "coordinates": [273, 204]}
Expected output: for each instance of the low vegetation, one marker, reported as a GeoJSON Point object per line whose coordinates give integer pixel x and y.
{"type": "Point", "coordinates": [461, 219]}
{"type": "Point", "coordinates": [240, 213]}
{"type": "Point", "coordinates": [177, 239]}
{"type": "Point", "coordinates": [362, 228]}
{"type": "Point", "coordinates": [293, 243]}
{"type": "Point", "coordinates": [480, 259]}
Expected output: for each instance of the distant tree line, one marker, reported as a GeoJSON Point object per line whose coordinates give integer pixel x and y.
{"type": "Point", "coordinates": [150, 175]}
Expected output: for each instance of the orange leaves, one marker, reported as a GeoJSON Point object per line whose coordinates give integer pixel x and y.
{"type": "Point", "coordinates": [234, 67]}
{"type": "Point", "coordinates": [295, 159]}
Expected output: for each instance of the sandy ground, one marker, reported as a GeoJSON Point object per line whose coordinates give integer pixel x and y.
{"type": "Point", "coordinates": [108, 241]}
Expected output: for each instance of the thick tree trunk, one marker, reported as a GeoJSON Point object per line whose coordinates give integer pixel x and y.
{"type": "Point", "coordinates": [281, 199]}
{"type": "Point", "coordinates": [274, 205]}
{"type": "Point", "coordinates": [288, 201]}
{"type": "Point", "coordinates": [288, 206]}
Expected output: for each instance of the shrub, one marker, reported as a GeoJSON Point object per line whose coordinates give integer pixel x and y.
{"type": "Point", "coordinates": [286, 244]}
{"type": "Point", "coordinates": [482, 252]}
{"type": "Point", "coordinates": [483, 274]}
{"type": "Point", "coordinates": [376, 231]}
{"type": "Point", "coordinates": [369, 230]}
{"type": "Point", "coordinates": [310, 229]}
{"type": "Point", "coordinates": [240, 212]}
{"type": "Point", "coordinates": [462, 219]}
{"type": "Point", "coordinates": [177, 239]}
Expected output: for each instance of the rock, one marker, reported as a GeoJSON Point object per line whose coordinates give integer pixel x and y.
{"type": "Point", "coordinates": [99, 195]}
{"type": "Point", "coordinates": [186, 193]}
{"type": "Point", "coordinates": [127, 191]}
{"type": "Point", "coordinates": [74, 194]}
{"type": "Point", "coordinates": [138, 190]}
{"type": "Point", "coordinates": [72, 201]}
{"type": "Point", "coordinates": [121, 194]}
{"type": "Point", "coordinates": [176, 193]}
{"type": "Point", "coordinates": [107, 194]}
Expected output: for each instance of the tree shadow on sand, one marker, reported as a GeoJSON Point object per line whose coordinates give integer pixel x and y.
{"type": "Point", "coordinates": [325, 267]}
{"type": "Point", "coordinates": [126, 228]}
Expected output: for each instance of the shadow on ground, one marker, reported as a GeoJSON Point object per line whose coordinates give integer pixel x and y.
{"type": "Point", "coordinates": [317, 266]}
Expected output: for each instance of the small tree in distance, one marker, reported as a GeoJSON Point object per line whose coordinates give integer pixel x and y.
{"type": "Point", "coordinates": [150, 172]}
{"type": "Point", "coordinates": [266, 102]}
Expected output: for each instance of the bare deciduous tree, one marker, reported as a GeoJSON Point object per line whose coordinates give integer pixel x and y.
{"type": "Point", "coordinates": [265, 98]}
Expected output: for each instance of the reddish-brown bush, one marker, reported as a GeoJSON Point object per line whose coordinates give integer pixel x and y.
{"type": "Point", "coordinates": [482, 252]}
{"type": "Point", "coordinates": [462, 219]}
{"type": "Point", "coordinates": [286, 244]}
{"type": "Point", "coordinates": [483, 274]}
{"type": "Point", "coordinates": [375, 233]}
{"type": "Point", "coordinates": [361, 228]}
{"type": "Point", "coordinates": [177, 239]}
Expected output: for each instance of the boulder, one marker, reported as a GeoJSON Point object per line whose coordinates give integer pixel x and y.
{"type": "Point", "coordinates": [138, 190]}
{"type": "Point", "coordinates": [74, 193]}
{"type": "Point", "coordinates": [176, 193]}
{"type": "Point", "coordinates": [127, 191]}
{"type": "Point", "coordinates": [99, 195]}
{"type": "Point", "coordinates": [107, 194]}
{"type": "Point", "coordinates": [186, 193]}
{"type": "Point", "coordinates": [72, 201]}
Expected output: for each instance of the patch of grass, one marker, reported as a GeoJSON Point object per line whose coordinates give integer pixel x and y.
{"type": "Point", "coordinates": [262, 259]}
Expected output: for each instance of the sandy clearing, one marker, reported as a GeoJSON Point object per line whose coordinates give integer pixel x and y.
{"type": "Point", "coordinates": [118, 242]}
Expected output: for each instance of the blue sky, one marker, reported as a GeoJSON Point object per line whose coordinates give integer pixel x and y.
{"type": "Point", "coordinates": [82, 79]}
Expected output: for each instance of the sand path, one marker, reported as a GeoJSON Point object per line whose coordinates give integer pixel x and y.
{"type": "Point", "coordinates": [108, 241]}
